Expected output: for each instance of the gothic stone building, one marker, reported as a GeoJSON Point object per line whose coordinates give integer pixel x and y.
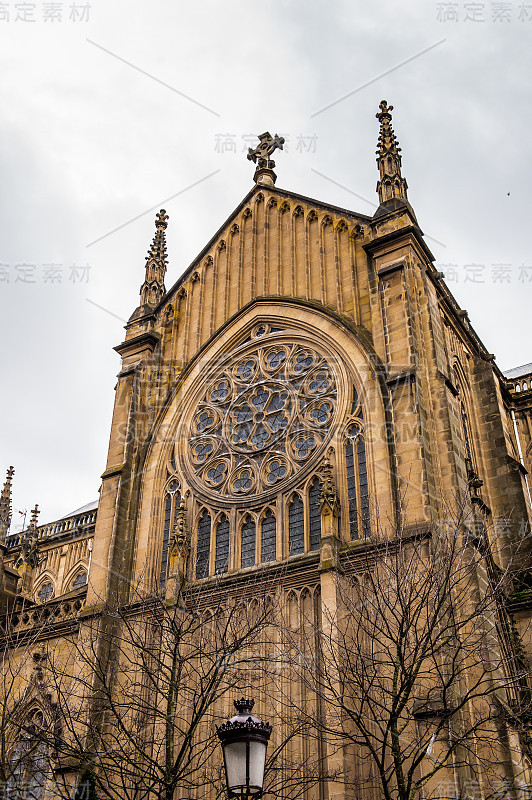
{"type": "Point", "coordinates": [304, 341]}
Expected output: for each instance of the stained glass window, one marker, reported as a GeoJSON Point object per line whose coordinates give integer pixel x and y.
{"type": "Point", "coordinates": [29, 763]}
{"type": "Point", "coordinates": [80, 580]}
{"type": "Point", "coordinates": [166, 538]}
{"type": "Point", "coordinates": [364, 493]}
{"type": "Point", "coordinates": [351, 488]}
{"type": "Point", "coordinates": [221, 560]}
{"type": "Point", "coordinates": [267, 415]}
{"type": "Point", "coordinates": [357, 485]}
{"type": "Point", "coordinates": [465, 432]}
{"type": "Point", "coordinates": [296, 526]}
{"type": "Point", "coordinates": [203, 545]}
{"type": "Point", "coordinates": [171, 506]}
{"type": "Point", "coordinates": [45, 592]}
{"type": "Point", "coordinates": [314, 515]}
{"type": "Point", "coordinates": [247, 546]}
{"type": "Point", "coordinates": [269, 534]}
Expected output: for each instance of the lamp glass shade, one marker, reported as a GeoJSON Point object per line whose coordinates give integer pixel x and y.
{"type": "Point", "coordinates": [257, 759]}
{"type": "Point", "coordinates": [244, 764]}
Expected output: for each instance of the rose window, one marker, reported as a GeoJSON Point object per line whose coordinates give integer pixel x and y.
{"type": "Point", "coordinates": [262, 419]}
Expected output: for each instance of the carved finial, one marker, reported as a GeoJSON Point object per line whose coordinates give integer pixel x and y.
{"type": "Point", "coordinates": [5, 506]}
{"type": "Point", "coordinates": [153, 289]}
{"type": "Point", "coordinates": [29, 546]}
{"type": "Point", "coordinates": [180, 527]}
{"type": "Point", "coordinates": [244, 705]}
{"type": "Point", "coordinates": [391, 184]}
{"type": "Point", "coordinates": [161, 219]}
{"type": "Point", "coordinates": [177, 571]}
{"type": "Point", "coordinates": [34, 515]}
{"type": "Point", "coordinates": [260, 155]}
{"type": "Point", "coordinates": [328, 493]}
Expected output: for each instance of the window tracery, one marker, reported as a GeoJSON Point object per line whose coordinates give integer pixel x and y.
{"type": "Point", "coordinates": [357, 475]}
{"type": "Point", "coordinates": [80, 580]}
{"type": "Point", "coordinates": [296, 526]}
{"type": "Point", "coordinates": [46, 592]}
{"type": "Point", "coordinates": [254, 430]}
{"type": "Point", "coordinates": [171, 505]}
{"type": "Point", "coordinates": [269, 538]}
{"type": "Point", "coordinates": [314, 514]}
{"type": "Point", "coordinates": [29, 761]}
{"type": "Point", "coordinates": [203, 545]}
{"type": "Point", "coordinates": [247, 543]}
{"type": "Point", "coordinates": [261, 419]}
{"type": "Point", "coordinates": [221, 562]}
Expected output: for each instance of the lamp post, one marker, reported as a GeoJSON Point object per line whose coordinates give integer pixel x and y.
{"type": "Point", "coordinates": [244, 740]}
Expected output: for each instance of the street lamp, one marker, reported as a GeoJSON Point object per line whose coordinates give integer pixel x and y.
{"type": "Point", "coordinates": [244, 740]}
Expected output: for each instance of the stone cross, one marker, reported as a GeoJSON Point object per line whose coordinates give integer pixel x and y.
{"type": "Point", "coordinates": [262, 152]}
{"type": "Point", "coordinates": [260, 155]}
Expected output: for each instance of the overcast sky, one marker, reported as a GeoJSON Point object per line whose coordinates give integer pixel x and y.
{"type": "Point", "coordinates": [113, 112]}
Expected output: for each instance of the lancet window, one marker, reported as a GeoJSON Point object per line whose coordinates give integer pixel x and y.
{"type": "Point", "coordinates": [80, 580]}
{"type": "Point", "coordinates": [247, 543]}
{"type": "Point", "coordinates": [29, 761]}
{"type": "Point", "coordinates": [171, 504]}
{"type": "Point", "coordinates": [269, 537]}
{"type": "Point", "coordinates": [203, 545]}
{"type": "Point", "coordinates": [314, 514]}
{"type": "Point", "coordinates": [465, 423]}
{"type": "Point", "coordinates": [357, 475]}
{"type": "Point", "coordinates": [221, 562]}
{"type": "Point", "coordinates": [296, 526]}
{"type": "Point", "coordinates": [45, 593]}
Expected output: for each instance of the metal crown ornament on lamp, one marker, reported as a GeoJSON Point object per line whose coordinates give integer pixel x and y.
{"type": "Point", "coordinates": [244, 741]}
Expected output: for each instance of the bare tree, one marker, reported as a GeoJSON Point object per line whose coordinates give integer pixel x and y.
{"type": "Point", "coordinates": [418, 667]}
{"type": "Point", "coordinates": [143, 686]}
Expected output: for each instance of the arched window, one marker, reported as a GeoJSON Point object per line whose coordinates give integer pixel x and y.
{"type": "Point", "coordinates": [296, 526]}
{"type": "Point", "coordinates": [357, 484]}
{"type": "Point", "coordinates": [465, 431]}
{"type": "Point", "coordinates": [79, 580]}
{"type": "Point", "coordinates": [466, 428]}
{"type": "Point", "coordinates": [45, 593]}
{"type": "Point", "coordinates": [203, 545]}
{"type": "Point", "coordinates": [171, 504]}
{"type": "Point", "coordinates": [314, 514]}
{"type": "Point", "coordinates": [29, 762]}
{"type": "Point", "coordinates": [268, 540]}
{"type": "Point", "coordinates": [247, 545]}
{"type": "Point", "coordinates": [221, 560]}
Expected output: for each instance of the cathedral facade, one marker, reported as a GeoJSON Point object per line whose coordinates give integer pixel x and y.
{"type": "Point", "coordinates": [308, 388]}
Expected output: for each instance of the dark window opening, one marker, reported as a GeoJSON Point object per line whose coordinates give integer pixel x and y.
{"type": "Point", "coordinates": [269, 535]}
{"type": "Point", "coordinates": [203, 545]}
{"type": "Point", "coordinates": [296, 526]}
{"type": "Point", "coordinates": [247, 545]}
{"type": "Point", "coordinates": [314, 515]}
{"type": "Point", "coordinates": [221, 560]}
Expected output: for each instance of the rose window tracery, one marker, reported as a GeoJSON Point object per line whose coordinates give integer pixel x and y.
{"type": "Point", "coordinates": [262, 419]}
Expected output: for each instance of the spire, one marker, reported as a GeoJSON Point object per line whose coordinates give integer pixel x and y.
{"type": "Point", "coordinates": [391, 184]}
{"type": "Point", "coordinates": [153, 287]}
{"type": "Point", "coordinates": [5, 506]}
